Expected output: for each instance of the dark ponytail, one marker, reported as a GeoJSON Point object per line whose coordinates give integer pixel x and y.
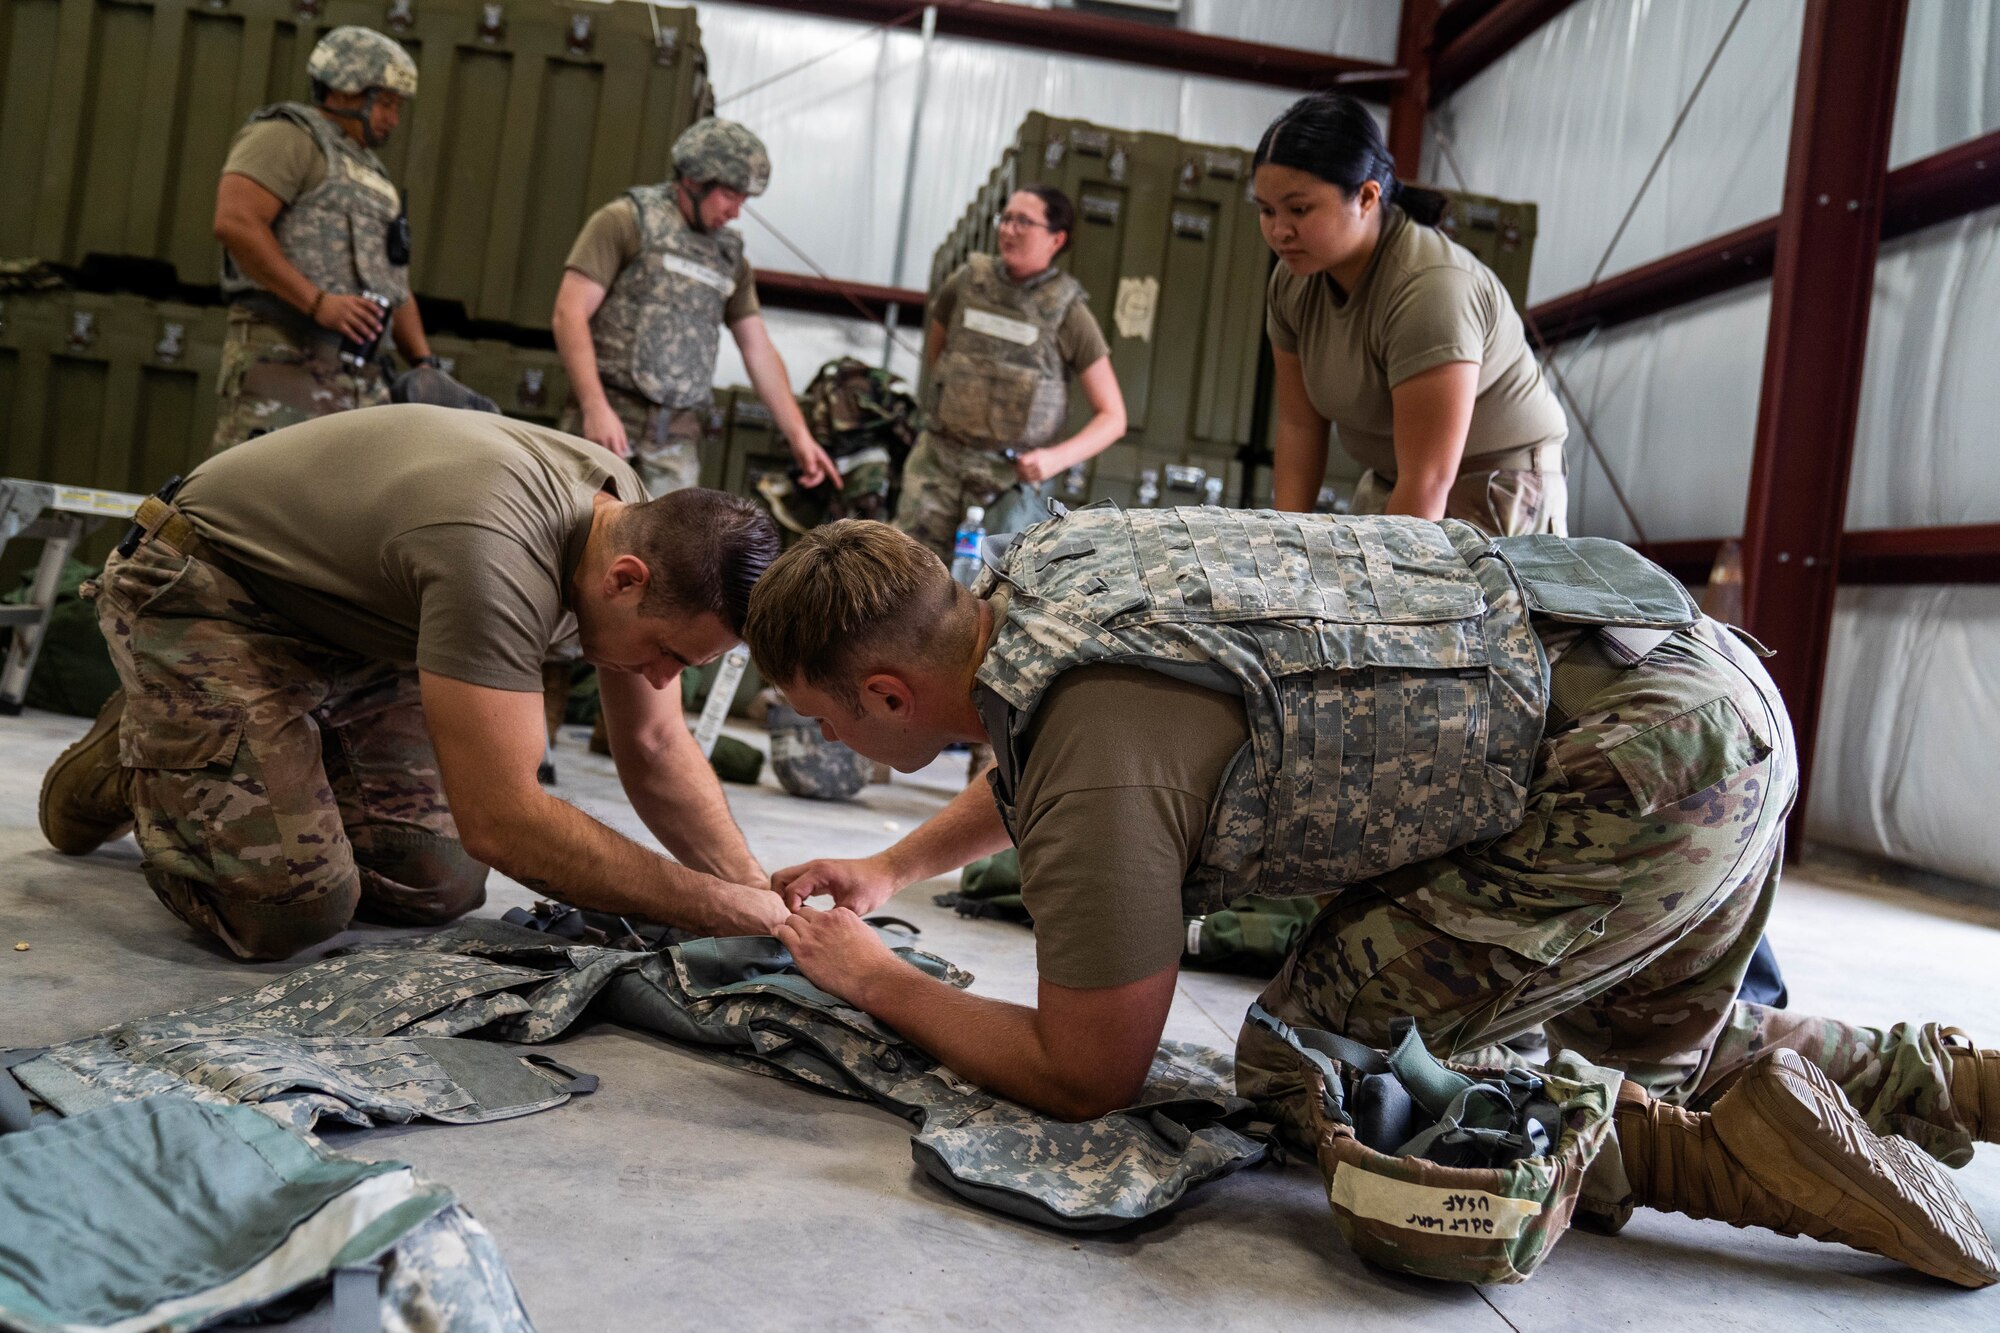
{"type": "Point", "coordinates": [1062, 213]}
{"type": "Point", "coordinates": [1332, 136]}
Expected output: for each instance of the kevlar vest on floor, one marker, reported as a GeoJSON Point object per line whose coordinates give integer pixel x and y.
{"type": "Point", "coordinates": [1395, 688]}
{"type": "Point", "coordinates": [337, 233]}
{"type": "Point", "coordinates": [381, 1034]}
{"type": "Point", "coordinates": [657, 332]}
{"type": "Point", "coordinates": [999, 382]}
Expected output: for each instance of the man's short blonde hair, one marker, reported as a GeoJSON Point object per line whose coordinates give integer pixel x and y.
{"type": "Point", "coordinates": [851, 597]}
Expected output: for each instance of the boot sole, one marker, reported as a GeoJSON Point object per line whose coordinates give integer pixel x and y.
{"type": "Point", "coordinates": [63, 763]}
{"type": "Point", "coordinates": [1822, 1125]}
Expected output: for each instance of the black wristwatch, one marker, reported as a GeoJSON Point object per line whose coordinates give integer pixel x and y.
{"type": "Point", "coordinates": [431, 361]}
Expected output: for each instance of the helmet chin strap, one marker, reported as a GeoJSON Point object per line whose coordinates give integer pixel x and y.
{"type": "Point", "coordinates": [366, 116]}
{"type": "Point", "coordinates": [698, 193]}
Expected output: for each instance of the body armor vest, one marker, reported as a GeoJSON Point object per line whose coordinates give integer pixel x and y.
{"type": "Point", "coordinates": [999, 382]}
{"type": "Point", "coordinates": [656, 333]}
{"type": "Point", "coordinates": [1395, 689]}
{"type": "Point", "coordinates": [336, 233]}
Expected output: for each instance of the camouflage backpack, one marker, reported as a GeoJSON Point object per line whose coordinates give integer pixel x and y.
{"type": "Point", "coordinates": [867, 421]}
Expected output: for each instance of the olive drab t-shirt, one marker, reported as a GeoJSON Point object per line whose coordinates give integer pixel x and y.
{"type": "Point", "coordinates": [278, 155]}
{"type": "Point", "coordinates": [610, 240]}
{"type": "Point", "coordinates": [1123, 768]}
{"type": "Point", "coordinates": [413, 534]}
{"type": "Point", "coordinates": [1423, 302]}
{"type": "Point", "coordinates": [1079, 341]}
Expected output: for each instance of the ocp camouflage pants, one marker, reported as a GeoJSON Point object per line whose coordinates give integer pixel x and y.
{"type": "Point", "coordinates": [666, 444]}
{"type": "Point", "coordinates": [1620, 917]}
{"type": "Point", "coordinates": [279, 785]}
{"type": "Point", "coordinates": [268, 381]}
{"type": "Point", "coordinates": [941, 478]}
{"type": "Point", "coordinates": [1508, 503]}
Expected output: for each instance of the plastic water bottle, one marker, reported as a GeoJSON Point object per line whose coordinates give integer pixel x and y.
{"type": "Point", "coordinates": [965, 546]}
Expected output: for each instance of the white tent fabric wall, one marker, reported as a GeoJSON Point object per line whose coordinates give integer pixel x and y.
{"type": "Point", "coordinates": [1572, 117]}
{"type": "Point", "coordinates": [1911, 709]}
{"type": "Point", "coordinates": [1673, 402]}
{"type": "Point", "coordinates": [1949, 89]}
{"type": "Point", "coordinates": [1363, 29]}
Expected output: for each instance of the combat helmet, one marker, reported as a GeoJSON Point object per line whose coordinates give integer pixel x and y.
{"type": "Point", "coordinates": [725, 153]}
{"type": "Point", "coordinates": [352, 59]}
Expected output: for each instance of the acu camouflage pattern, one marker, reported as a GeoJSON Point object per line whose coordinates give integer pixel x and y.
{"type": "Point", "coordinates": [940, 480]}
{"type": "Point", "coordinates": [807, 764]}
{"type": "Point", "coordinates": [866, 419]}
{"type": "Point", "coordinates": [665, 442]}
{"type": "Point", "coordinates": [279, 785]}
{"type": "Point", "coordinates": [273, 376]}
{"type": "Point", "coordinates": [337, 233]}
{"type": "Point", "coordinates": [1619, 917]}
{"type": "Point", "coordinates": [724, 152]}
{"type": "Point", "coordinates": [991, 392]}
{"type": "Point", "coordinates": [657, 332]}
{"type": "Point", "coordinates": [1393, 686]}
{"type": "Point", "coordinates": [739, 1000]}
{"type": "Point", "coordinates": [353, 59]}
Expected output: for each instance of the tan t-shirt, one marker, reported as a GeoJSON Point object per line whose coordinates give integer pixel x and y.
{"type": "Point", "coordinates": [1112, 803]}
{"type": "Point", "coordinates": [1423, 302]}
{"type": "Point", "coordinates": [610, 240]}
{"type": "Point", "coordinates": [1079, 342]}
{"type": "Point", "coordinates": [278, 155]}
{"type": "Point", "coordinates": [413, 534]}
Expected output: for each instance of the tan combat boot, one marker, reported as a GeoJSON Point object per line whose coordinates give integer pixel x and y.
{"type": "Point", "coordinates": [1975, 1085]}
{"type": "Point", "coordinates": [86, 800]}
{"type": "Point", "coordinates": [1783, 1149]}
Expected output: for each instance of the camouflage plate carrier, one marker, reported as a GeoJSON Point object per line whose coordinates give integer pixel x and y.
{"type": "Point", "coordinates": [337, 233]}
{"type": "Point", "coordinates": [1395, 689]}
{"type": "Point", "coordinates": [999, 383]}
{"type": "Point", "coordinates": [660, 325]}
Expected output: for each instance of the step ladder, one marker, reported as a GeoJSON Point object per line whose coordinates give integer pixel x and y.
{"type": "Point", "coordinates": [60, 517]}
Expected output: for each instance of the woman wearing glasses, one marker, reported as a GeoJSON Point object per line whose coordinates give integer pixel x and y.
{"type": "Point", "coordinates": [1006, 331]}
{"type": "Point", "coordinates": [1384, 327]}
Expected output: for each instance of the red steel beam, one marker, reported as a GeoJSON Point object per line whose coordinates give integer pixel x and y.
{"type": "Point", "coordinates": [1960, 180]}
{"type": "Point", "coordinates": [1413, 100]}
{"type": "Point", "coordinates": [1967, 553]}
{"type": "Point", "coordinates": [829, 296]}
{"type": "Point", "coordinates": [1503, 27]}
{"type": "Point", "coordinates": [1823, 279]}
{"type": "Point", "coordinates": [1072, 32]}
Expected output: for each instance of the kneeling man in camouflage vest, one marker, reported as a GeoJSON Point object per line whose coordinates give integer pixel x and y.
{"type": "Point", "coordinates": [1534, 785]}
{"type": "Point", "coordinates": [331, 645]}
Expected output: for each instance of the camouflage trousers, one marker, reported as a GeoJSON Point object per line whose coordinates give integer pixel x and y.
{"type": "Point", "coordinates": [940, 478]}
{"type": "Point", "coordinates": [279, 785]}
{"type": "Point", "coordinates": [1620, 917]}
{"type": "Point", "coordinates": [1511, 502]}
{"type": "Point", "coordinates": [666, 443]}
{"type": "Point", "coordinates": [268, 380]}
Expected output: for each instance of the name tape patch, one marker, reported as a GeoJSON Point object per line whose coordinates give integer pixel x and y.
{"type": "Point", "coordinates": [700, 273]}
{"type": "Point", "coordinates": [1440, 1212]}
{"type": "Point", "coordinates": [999, 326]}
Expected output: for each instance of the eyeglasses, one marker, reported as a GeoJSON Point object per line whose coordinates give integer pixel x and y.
{"type": "Point", "coordinates": [1018, 220]}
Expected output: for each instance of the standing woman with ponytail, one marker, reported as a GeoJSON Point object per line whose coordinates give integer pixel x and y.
{"type": "Point", "coordinates": [1384, 327]}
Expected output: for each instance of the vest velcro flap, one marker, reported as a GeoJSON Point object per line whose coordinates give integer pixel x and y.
{"type": "Point", "coordinates": [1595, 581]}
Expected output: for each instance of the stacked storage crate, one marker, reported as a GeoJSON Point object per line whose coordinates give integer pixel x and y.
{"type": "Point", "coordinates": [115, 118]}
{"type": "Point", "coordinates": [1166, 243]}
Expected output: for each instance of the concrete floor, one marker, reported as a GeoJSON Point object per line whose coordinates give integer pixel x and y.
{"type": "Point", "coordinates": [684, 1194]}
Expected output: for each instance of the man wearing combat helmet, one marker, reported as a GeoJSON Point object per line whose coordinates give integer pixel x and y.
{"type": "Point", "coordinates": [315, 245]}
{"type": "Point", "coordinates": [1535, 784]}
{"type": "Point", "coordinates": [650, 283]}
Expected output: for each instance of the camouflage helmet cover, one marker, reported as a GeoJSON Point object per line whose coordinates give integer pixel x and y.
{"type": "Point", "coordinates": [352, 59]}
{"type": "Point", "coordinates": [725, 152]}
